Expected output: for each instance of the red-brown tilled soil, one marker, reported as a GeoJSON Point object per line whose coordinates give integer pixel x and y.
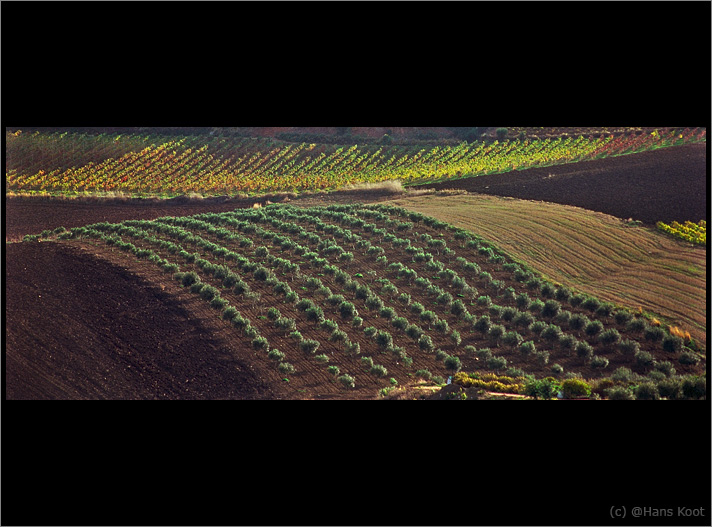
{"type": "Point", "coordinates": [661, 185]}
{"type": "Point", "coordinates": [78, 327]}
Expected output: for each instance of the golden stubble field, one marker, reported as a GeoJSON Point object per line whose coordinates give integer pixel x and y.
{"type": "Point", "coordinates": [594, 253]}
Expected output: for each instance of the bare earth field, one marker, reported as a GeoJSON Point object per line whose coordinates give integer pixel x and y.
{"type": "Point", "coordinates": [83, 324]}
{"type": "Point", "coordinates": [661, 185]}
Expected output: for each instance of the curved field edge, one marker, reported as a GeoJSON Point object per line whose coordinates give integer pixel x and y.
{"type": "Point", "coordinates": [591, 252]}
{"type": "Point", "coordinates": [244, 236]}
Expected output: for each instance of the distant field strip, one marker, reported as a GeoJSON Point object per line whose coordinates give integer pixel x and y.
{"type": "Point", "coordinates": [170, 165]}
{"type": "Point", "coordinates": [592, 252]}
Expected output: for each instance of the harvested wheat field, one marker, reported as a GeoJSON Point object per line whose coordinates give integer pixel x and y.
{"type": "Point", "coordinates": [592, 252]}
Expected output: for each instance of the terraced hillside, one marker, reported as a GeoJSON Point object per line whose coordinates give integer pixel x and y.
{"type": "Point", "coordinates": [352, 301]}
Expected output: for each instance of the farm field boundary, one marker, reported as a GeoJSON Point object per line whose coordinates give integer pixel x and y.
{"type": "Point", "coordinates": [351, 301]}
{"type": "Point", "coordinates": [592, 252]}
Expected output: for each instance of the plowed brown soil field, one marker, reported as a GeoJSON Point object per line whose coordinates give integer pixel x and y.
{"type": "Point", "coordinates": [88, 324]}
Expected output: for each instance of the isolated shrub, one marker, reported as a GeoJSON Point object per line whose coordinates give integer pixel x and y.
{"type": "Point", "coordinates": [536, 306]}
{"type": "Point", "coordinates": [694, 387]}
{"type": "Point", "coordinates": [496, 363]}
{"type": "Point", "coordinates": [384, 339]}
{"type": "Point", "coordinates": [273, 313]}
{"type": "Point", "coordinates": [425, 343]}
{"type": "Point", "coordinates": [609, 337]}
{"type": "Point", "coordinates": [379, 370]}
{"type": "Point", "coordinates": [218, 302]}
{"type": "Point", "coordinates": [484, 354]}
{"type": "Point", "coordinates": [455, 337]}
{"type": "Point", "coordinates": [523, 319]}
{"type": "Point", "coordinates": [347, 310]}
{"type": "Point", "coordinates": [599, 362]}
{"type": "Point", "coordinates": [208, 292]}
{"type": "Point", "coordinates": [688, 358]}
{"type": "Point", "coordinates": [424, 374]}
{"type": "Point", "coordinates": [309, 345]}
{"type": "Point", "coordinates": [458, 308]}
{"type": "Point", "coordinates": [452, 363]}
{"type": "Point", "coordinates": [622, 317]}
{"type": "Point", "coordinates": [333, 370]}
{"type": "Point", "coordinates": [672, 343]}
{"type": "Point", "coordinates": [666, 367]}
{"type": "Point", "coordinates": [527, 348]}
{"type": "Point", "coordinates": [542, 357]}
{"type": "Point", "coordinates": [593, 328]}
{"type": "Point", "coordinates": [357, 322]}
{"type": "Point", "coordinates": [495, 332]}
{"type": "Point", "coordinates": [353, 348]}
{"type": "Point", "coordinates": [568, 341]}
{"type": "Point", "coordinates": [557, 369]}
{"type": "Point", "coordinates": [670, 388]}
{"type": "Point", "coordinates": [441, 326]}
{"type": "Point", "coordinates": [563, 317]}
{"type": "Point", "coordinates": [522, 300]}
{"type": "Point", "coordinates": [399, 323]}
{"type": "Point", "coordinates": [512, 338]}
{"type": "Point", "coordinates": [552, 333]}
{"type": "Point", "coordinates": [636, 325]}
{"type": "Point", "coordinates": [623, 374]}
{"type": "Point", "coordinates": [373, 302]}
{"type": "Point", "coordinates": [551, 308]}
{"type": "Point", "coordinates": [260, 343]}
{"type": "Point", "coordinates": [654, 333]}
{"type": "Point", "coordinates": [370, 331]}
{"type": "Point", "coordinates": [275, 354]}
{"type": "Point", "coordinates": [508, 313]}
{"type": "Point", "coordinates": [285, 324]}
{"type": "Point", "coordinates": [590, 303]}
{"type": "Point", "coordinates": [643, 359]}
{"type": "Point", "coordinates": [542, 388]}
{"type": "Point", "coordinates": [584, 351]}
{"type": "Point", "coordinates": [239, 322]}
{"type": "Point", "coordinates": [338, 335]}
{"type": "Point", "coordinates": [229, 313]}
{"type": "Point", "coordinates": [620, 393]}
{"type": "Point", "coordinates": [646, 391]}
{"type": "Point", "coordinates": [575, 388]}
{"type": "Point", "coordinates": [547, 290]}
{"type": "Point", "coordinates": [484, 300]}
{"type": "Point", "coordinates": [428, 317]}
{"type": "Point", "coordinates": [322, 358]}
{"type": "Point", "coordinates": [628, 347]}
{"type": "Point", "coordinates": [367, 362]}
{"type": "Point", "coordinates": [285, 367]}
{"type": "Point", "coordinates": [578, 321]}
{"type": "Point", "coordinates": [495, 311]}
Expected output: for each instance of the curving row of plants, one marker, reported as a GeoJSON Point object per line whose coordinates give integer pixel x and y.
{"type": "Point", "coordinates": [156, 164]}
{"type": "Point", "coordinates": [380, 295]}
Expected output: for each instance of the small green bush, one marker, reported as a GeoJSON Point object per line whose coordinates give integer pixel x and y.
{"type": "Point", "coordinates": [593, 328]}
{"type": "Point", "coordinates": [275, 354]}
{"type": "Point", "coordinates": [628, 347]}
{"type": "Point", "coordinates": [670, 388]}
{"type": "Point", "coordinates": [575, 388]}
{"type": "Point", "coordinates": [646, 391]}
{"type": "Point", "coordinates": [694, 387]}
{"type": "Point", "coordinates": [609, 337]}
{"type": "Point", "coordinates": [452, 363]}
{"type": "Point", "coordinates": [688, 358]}
{"type": "Point", "coordinates": [599, 362]}
{"type": "Point", "coordinates": [643, 359]}
{"type": "Point", "coordinates": [379, 370]}
{"type": "Point", "coordinates": [620, 393]}
{"type": "Point", "coordinates": [672, 343]}
{"type": "Point", "coordinates": [260, 343]}
{"type": "Point", "coordinates": [309, 345]}
{"type": "Point", "coordinates": [654, 333]}
{"type": "Point", "coordinates": [496, 363]}
{"type": "Point", "coordinates": [527, 348]}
